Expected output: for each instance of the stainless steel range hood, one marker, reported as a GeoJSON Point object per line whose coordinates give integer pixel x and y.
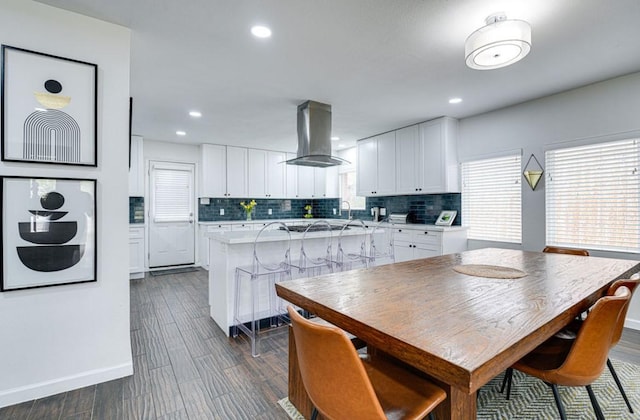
{"type": "Point", "coordinates": [314, 136]}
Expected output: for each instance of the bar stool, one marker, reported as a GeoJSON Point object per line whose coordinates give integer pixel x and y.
{"type": "Point", "coordinates": [267, 264]}
{"type": "Point", "coordinates": [310, 265]}
{"type": "Point", "coordinates": [352, 251]}
{"type": "Point", "coordinates": [381, 244]}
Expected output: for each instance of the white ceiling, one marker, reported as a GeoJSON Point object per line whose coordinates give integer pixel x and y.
{"type": "Point", "coordinates": [381, 64]}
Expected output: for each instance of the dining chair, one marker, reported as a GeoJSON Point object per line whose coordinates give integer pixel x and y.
{"type": "Point", "coordinates": [631, 284]}
{"type": "Point", "coordinates": [381, 244]}
{"type": "Point", "coordinates": [560, 250]}
{"type": "Point", "coordinates": [352, 250]}
{"type": "Point", "coordinates": [342, 384]}
{"type": "Point", "coordinates": [314, 265]}
{"type": "Point", "coordinates": [271, 261]}
{"type": "Point", "coordinates": [576, 362]}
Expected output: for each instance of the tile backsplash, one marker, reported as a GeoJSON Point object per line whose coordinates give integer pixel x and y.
{"type": "Point", "coordinates": [423, 209]}
{"type": "Point", "coordinates": [136, 209]}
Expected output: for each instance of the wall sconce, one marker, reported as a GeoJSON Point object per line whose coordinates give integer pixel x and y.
{"type": "Point", "coordinates": [533, 172]}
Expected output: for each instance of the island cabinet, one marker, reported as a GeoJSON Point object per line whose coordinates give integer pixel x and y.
{"type": "Point", "coordinates": [376, 168]}
{"type": "Point", "coordinates": [223, 171]}
{"type": "Point", "coordinates": [426, 157]}
{"type": "Point", "coordinates": [266, 174]}
{"type": "Point", "coordinates": [424, 241]}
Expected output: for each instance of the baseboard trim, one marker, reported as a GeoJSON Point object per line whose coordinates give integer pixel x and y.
{"type": "Point", "coordinates": [68, 383]}
{"type": "Point", "coordinates": [634, 324]}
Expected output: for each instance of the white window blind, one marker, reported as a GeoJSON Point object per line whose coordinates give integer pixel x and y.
{"type": "Point", "coordinates": [592, 196]}
{"type": "Point", "coordinates": [172, 195]}
{"type": "Point", "coordinates": [492, 199]}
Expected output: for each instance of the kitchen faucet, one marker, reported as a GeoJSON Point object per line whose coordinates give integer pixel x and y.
{"type": "Point", "coordinates": [348, 207]}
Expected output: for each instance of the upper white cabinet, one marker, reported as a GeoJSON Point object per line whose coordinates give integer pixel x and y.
{"type": "Point", "coordinates": [292, 178]}
{"type": "Point", "coordinates": [439, 156]}
{"type": "Point", "coordinates": [376, 169]}
{"type": "Point", "coordinates": [426, 157]}
{"type": "Point", "coordinates": [224, 171]}
{"type": "Point", "coordinates": [331, 182]}
{"type": "Point", "coordinates": [213, 171]}
{"type": "Point", "coordinates": [136, 168]}
{"type": "Point", "coordinates": [266, 173]}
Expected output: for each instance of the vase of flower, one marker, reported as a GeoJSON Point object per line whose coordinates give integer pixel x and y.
{"type": "Point", "coordinates": [248, 208]}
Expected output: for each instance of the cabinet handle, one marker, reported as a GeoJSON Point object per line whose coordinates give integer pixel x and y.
{"type": "Point", "coordinates": [426, 233]}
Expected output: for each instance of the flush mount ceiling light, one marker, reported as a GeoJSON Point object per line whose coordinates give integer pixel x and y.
{"type": "Point", "coordinates": [501, 43]}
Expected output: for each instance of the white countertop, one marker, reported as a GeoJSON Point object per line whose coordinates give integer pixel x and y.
{"type": "Point", "coordinates": [415, 226]}
{"type": "Point", "coordinates": [249, 236]}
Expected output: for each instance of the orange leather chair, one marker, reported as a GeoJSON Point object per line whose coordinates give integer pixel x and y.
{"type": "Point", "coordinates": [343, 385]}
{"type": "Point", "coordinates": [571, 251]}
{"type": "Point", "coordinates": [631, 284]}
{"type": "Point", "coordinates": [581, 361]}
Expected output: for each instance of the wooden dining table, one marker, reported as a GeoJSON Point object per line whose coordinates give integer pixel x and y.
{"type": "Point", "coordinates": [460, 330]}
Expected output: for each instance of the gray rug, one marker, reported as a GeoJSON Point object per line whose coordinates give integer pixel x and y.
{"type": "Point", "coordinates": [173, 271]}
{"type": "Point", "coordinates": [532, 399]}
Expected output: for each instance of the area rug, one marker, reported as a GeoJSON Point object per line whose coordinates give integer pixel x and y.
{"type": "Point", "coordinates": [532, 399]}
{"type": "Point", "coordinates": [173, 271]}
{"type": "Point", "coordinates": [491, 271]}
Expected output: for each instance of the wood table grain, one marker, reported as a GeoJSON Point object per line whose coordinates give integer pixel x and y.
{"type": "Point", "coordinates": [460, 330]}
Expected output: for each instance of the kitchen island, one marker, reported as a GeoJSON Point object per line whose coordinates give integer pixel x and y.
{"type": "Point", "coordinates": [229, 249]}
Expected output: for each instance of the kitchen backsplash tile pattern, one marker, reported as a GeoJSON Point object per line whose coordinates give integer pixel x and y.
{"type": "Point", "coordinates": [136, 209]}
{"type": "Point", "coordinates": [423, 209]}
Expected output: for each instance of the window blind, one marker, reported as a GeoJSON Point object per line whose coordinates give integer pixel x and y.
{"type": "Point", "coordinates": [492, 199]}
{"type": "Point", "coordinates": [592, 196]}
{"type": "Point", "coordinates": [172, 195]}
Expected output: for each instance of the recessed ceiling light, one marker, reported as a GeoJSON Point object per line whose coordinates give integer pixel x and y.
{"type": "Point", "coordinates": [181, 133]}
{"type": "Point", "coordinates": [455, 100]}
{"type": "Point", "coordinates": [195, 114]}
{"type": "Point", "coordinates": [335, 138]}
{"type": "Point", "coordinates": [260, 31]}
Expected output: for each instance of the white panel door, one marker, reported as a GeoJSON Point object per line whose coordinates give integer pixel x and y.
{"type": "Point", "coordinates": [257, 173]}
{"type": "Point", "coordinates": [276, 179]}
{"type": "Point", "coordinates": [171, 225]}
{"type": "Point", "coordinates": [213, 170]}
{"type": "Point", "coordinates": [386, 173]}
{"type": "Point", "coordinates": [236, 172]}
{"type": "Point", "coordinates": [367, 168]}
{"type": "Point", "coordinates": [408, 159]}
{"type": "Point", "coordinates": [292, 177]}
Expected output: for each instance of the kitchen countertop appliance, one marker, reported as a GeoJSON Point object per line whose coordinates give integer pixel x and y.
{"type": "Point", "coordinates": [399, 218]}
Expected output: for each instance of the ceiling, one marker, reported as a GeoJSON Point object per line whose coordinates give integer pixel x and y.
{"type": "Point", "coordinates": [381, 64]}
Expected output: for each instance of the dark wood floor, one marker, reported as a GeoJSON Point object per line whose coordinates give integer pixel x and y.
{"type": "Point", "coordinates": [186, 368]}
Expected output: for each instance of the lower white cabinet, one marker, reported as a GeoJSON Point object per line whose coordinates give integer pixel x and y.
{"type": "Point", "coordinates": [136, 252]}
{"type": "Point", "coordinates": [204, 241]}
{"type": "Point", "coordinates": [412, 243]}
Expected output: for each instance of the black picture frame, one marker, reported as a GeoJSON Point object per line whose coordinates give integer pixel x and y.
{"type": "Point", "coordinates": [49, 108]}
{"type": "Point", "coordinates": [49, 232]}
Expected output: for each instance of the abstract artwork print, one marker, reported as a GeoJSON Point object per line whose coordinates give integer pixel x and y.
{"type": "Point", "coordinates": [49, 108]}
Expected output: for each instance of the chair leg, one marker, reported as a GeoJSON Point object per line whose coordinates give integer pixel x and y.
{"type": "Point", "coordinates": [431, 417]}
{"type": "Point", "coordinates": [615, 378]}
{"type": "Point", "coordinates": [314, 414]}
{"type": "Point", "coordinates": [508, 378]}
{"type": "Point", "coordinates": [556, 396]}
{"type": "Point", "coordinates": [255, 323]}
{"type": "Point", "coordinates": [594, 403]}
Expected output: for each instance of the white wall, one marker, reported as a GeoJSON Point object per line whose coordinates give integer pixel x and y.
{"type": "Point", "coordinates": [59, 338]}
{"type": "Point", "coordinates": [599, 110]}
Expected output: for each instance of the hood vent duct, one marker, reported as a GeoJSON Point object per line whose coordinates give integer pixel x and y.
{"type": "Point", "coordinates": [314, 136]}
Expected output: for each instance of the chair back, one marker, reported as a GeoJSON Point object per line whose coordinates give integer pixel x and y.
{"type": "Point", "coordinates": [631, 284]}
{"type": "Point", "coordinates": [570, 251]}
{"type": "Point", "coordinates": [347, 250]}
{"type": "Point", "coordinates": [381, 243]}
{"type": "Point", "coordinates": [271, 256]}
{"type": "Point", "coordinates": [588, 355]}
{"type": "Point", "coordinates": [323, 258]}
{"type": "Point", "coordinates": [332, 373]}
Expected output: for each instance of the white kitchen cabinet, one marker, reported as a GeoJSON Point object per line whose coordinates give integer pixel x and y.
{"type": "Point", "coordinates": [136, 252]}
{"type": "Point", "coordinates": [376, 168]}
{"type": "Point", "coordinates": [136, 168]}
{"type": "Point", "coordinates": [204, 241]}
{"type": "Point", "coordinates": [292, 178]}
{"type": "Point", "coordinates": [237, 172]}
{"type": "Point", "coordinates": [415, 242]}
{"type": "Point", "coordinates": [426, 157]}
{"type": "Point", "coordinates": [213, 170]}
{"type": "Point", "coordinates": [306, 182]}
{"type": "Point", "coordinates": [332, 182]}
{"type": "Point", "coordinates": [439, 158]}
{"type": "Point", "coordinates": [266, 174]}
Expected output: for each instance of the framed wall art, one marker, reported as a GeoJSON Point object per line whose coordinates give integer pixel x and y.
{"type": "Point", "coordinates": [446, 217]}
{"type": "Point", "coordinates": [49, 108]}
{"type": "Point", "coordinates": [48, 232]}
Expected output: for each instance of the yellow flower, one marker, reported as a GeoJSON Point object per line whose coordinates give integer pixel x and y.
{"type": "Point", "coordinates": [250, 206]}
{"type": "Point", "coordinates": [308, 207]}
